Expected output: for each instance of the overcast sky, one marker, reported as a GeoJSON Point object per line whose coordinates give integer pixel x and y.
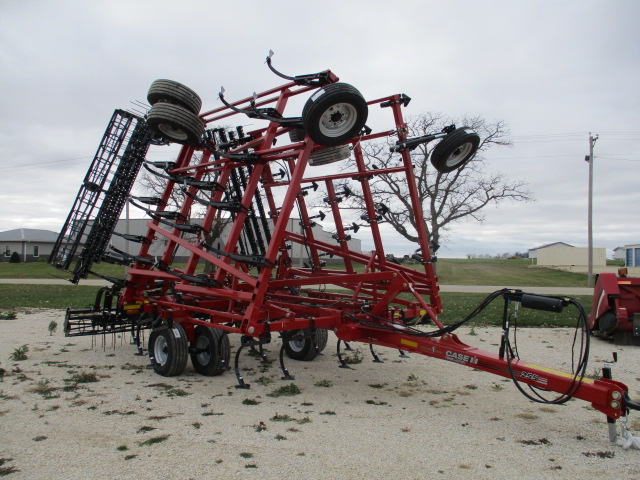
{"type": "Point", "coordinates": [553, 71]}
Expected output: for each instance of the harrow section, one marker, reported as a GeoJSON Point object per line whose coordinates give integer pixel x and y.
{"type": "Point", "coordinates": [250, 201]}
{"type": "Point", "coordinates": [102, 195]}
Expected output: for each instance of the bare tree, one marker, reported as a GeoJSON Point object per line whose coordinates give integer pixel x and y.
{"type": "Point", "coordinates": [446, 197]}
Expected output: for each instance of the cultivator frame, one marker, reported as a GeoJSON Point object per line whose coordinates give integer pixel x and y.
{"type": "Point", "coordinates": [256, 181]}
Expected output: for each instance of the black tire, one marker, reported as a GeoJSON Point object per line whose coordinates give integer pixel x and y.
{"type": "Point", "coordinates": [168, 350]}
{"type": "Point", "coordinates": [321, 157]}
{"type": "Point", "coordinates": [175, 124]}
{"type": "Point", "coordinates": [297, 134]}
{"type": "Point", "coordinates": [300, 347]}
{"type": "Point", "coordinates": [334, 114]}
{"type": "Point", "coordinates": [329, 155]}
{"type": "Point", "coordinates": [455, 150]}
{"type": "Point", "coordinates": [211, 355]}
{"type": "Point", "coordinates": [173, 92]}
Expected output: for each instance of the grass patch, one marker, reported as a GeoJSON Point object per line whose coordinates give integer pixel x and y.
{"type": "Point", "coordinates": [354, 357]}
{"type": "Point", "coordinates": [146, 429]}
{"type": "Point", "coordinates": [324, 383]}
{"type": "Point", "coordinates": [504, 272]}
{"type": "Point", "coordinates": [457, 305]}
{"type": "Point", "coordinates": [154, 440]}
{"type": "Point", "coordinates": [282, 418]}
{"type": "Point", "coordinates": [43, 388]}
{"type": "Point", "coordinates": [84, 377]}
{"type": "Point", "coordinates": [19, 353]}
{"type": "Point", "coordinates": [285, 391]}
{"type": "Point", "coordinates": [46, 296]}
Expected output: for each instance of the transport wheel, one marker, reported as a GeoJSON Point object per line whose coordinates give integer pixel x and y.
{"type": "Point", "coordinates": [173, 92]}
{"type": "Point", "coordinates": [175, 124]}
{"type": "Point", "coordinates": [297, 134]}
{"type": "Point", "coordinates": [454, 150]}
{"type": "Point", "coordinates": [168, 349]}
{"type": "Point", "coordinates": [300, 348]}
{"type": "Point", "coordinates": [321, 157]}
{"type": "Point", "coordinates": [211, 355]}
{"type": "Point", "coordinates": [334, 114]}
{"type": "Point", "coordinates": [329, 155]}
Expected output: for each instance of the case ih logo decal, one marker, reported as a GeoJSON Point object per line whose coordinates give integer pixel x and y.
{"type": "Point", "coordinates": [534, 377]}
{"type": "Point", "coordinates": [461, 358]}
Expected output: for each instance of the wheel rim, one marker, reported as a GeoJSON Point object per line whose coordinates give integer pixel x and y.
{"type": "Point", "coordinates": [175, 133]}
{"type": "Point", "coordinates": [459, 155]}
{"type": "Point", "coordinates": [338, 119]}
{"type": "Point", "coordinates": [161, 350]}
{"type": "Point", "coordinates": [296, 343]}
{"type": "Point", "coordinates": [203, 356]}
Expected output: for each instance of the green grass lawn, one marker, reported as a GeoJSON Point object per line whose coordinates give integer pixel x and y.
{"type": "Point", "coordinates": [517, 272]}
{"type": "Point", "coordinates": [44, 270]}
{"type": "Point", "coordinates": [450, 271]}
{"type": "Point", "coordinates": [456, 305]}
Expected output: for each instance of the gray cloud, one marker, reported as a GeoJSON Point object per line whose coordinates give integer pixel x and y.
{"type": "Point", "coordinates": [553, 71]}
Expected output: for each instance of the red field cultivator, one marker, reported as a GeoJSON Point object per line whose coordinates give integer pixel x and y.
{"type": "Point", "coordinates": [256, 182]}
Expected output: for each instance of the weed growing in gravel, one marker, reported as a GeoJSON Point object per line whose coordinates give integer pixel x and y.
{"type": "Point", "coordinates": [260, 427]}
{"type": "Point", "coordinates": [122, 448]}
{"type": "Point", "coordinates": [8, 316]}
{"type": "Point", "coordinates": [285, 391]}
{"type": "Point", "coordinates": [19, 353]}
{"type": "Point", "coordinates": [53, 326]}
{"type": "Point", "coordinates": [355, 357]}
{"type": "Point", "coordinates": [154, 440]}
{"type": "Point", "coordinates": [43, 388]}
{"type": "Point", "coordinates": [6, 470]}
{"type": "Point", "coordinates": [281, 418]}
{"type": "Point", "coordinates": [145, 429]}
{"type": "Point", "coordinates": [249, 401]}
{"type": "Point", "coordinates": [280, 437]}
{"type": "Point", "coordinates": [324, 383]}
{"type": "Point", "coordinates": [246, 454]}
{"type": "Point", "coordinates": [264, 380]}
{"type": "Point", "coordinates": [84, 377]}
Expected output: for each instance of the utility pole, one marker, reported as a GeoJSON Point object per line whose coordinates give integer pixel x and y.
{"type": "Point", "coordinates": [589, 158]}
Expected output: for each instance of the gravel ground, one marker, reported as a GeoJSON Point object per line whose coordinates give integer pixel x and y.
{"type": "Point", "coordinates": [410, 418]}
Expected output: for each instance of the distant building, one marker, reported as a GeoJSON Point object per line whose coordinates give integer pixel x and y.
{"type": "Point", "coordinates": [298, 252]}
{"type": "Point", "coordinates": [632, 255]}
{"type": "Point", "coordinates": [619, 253]}
{"type": "Point", "coordinates": [533, 252]}
{"type": "Point", "coordinates": [31, 244]}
